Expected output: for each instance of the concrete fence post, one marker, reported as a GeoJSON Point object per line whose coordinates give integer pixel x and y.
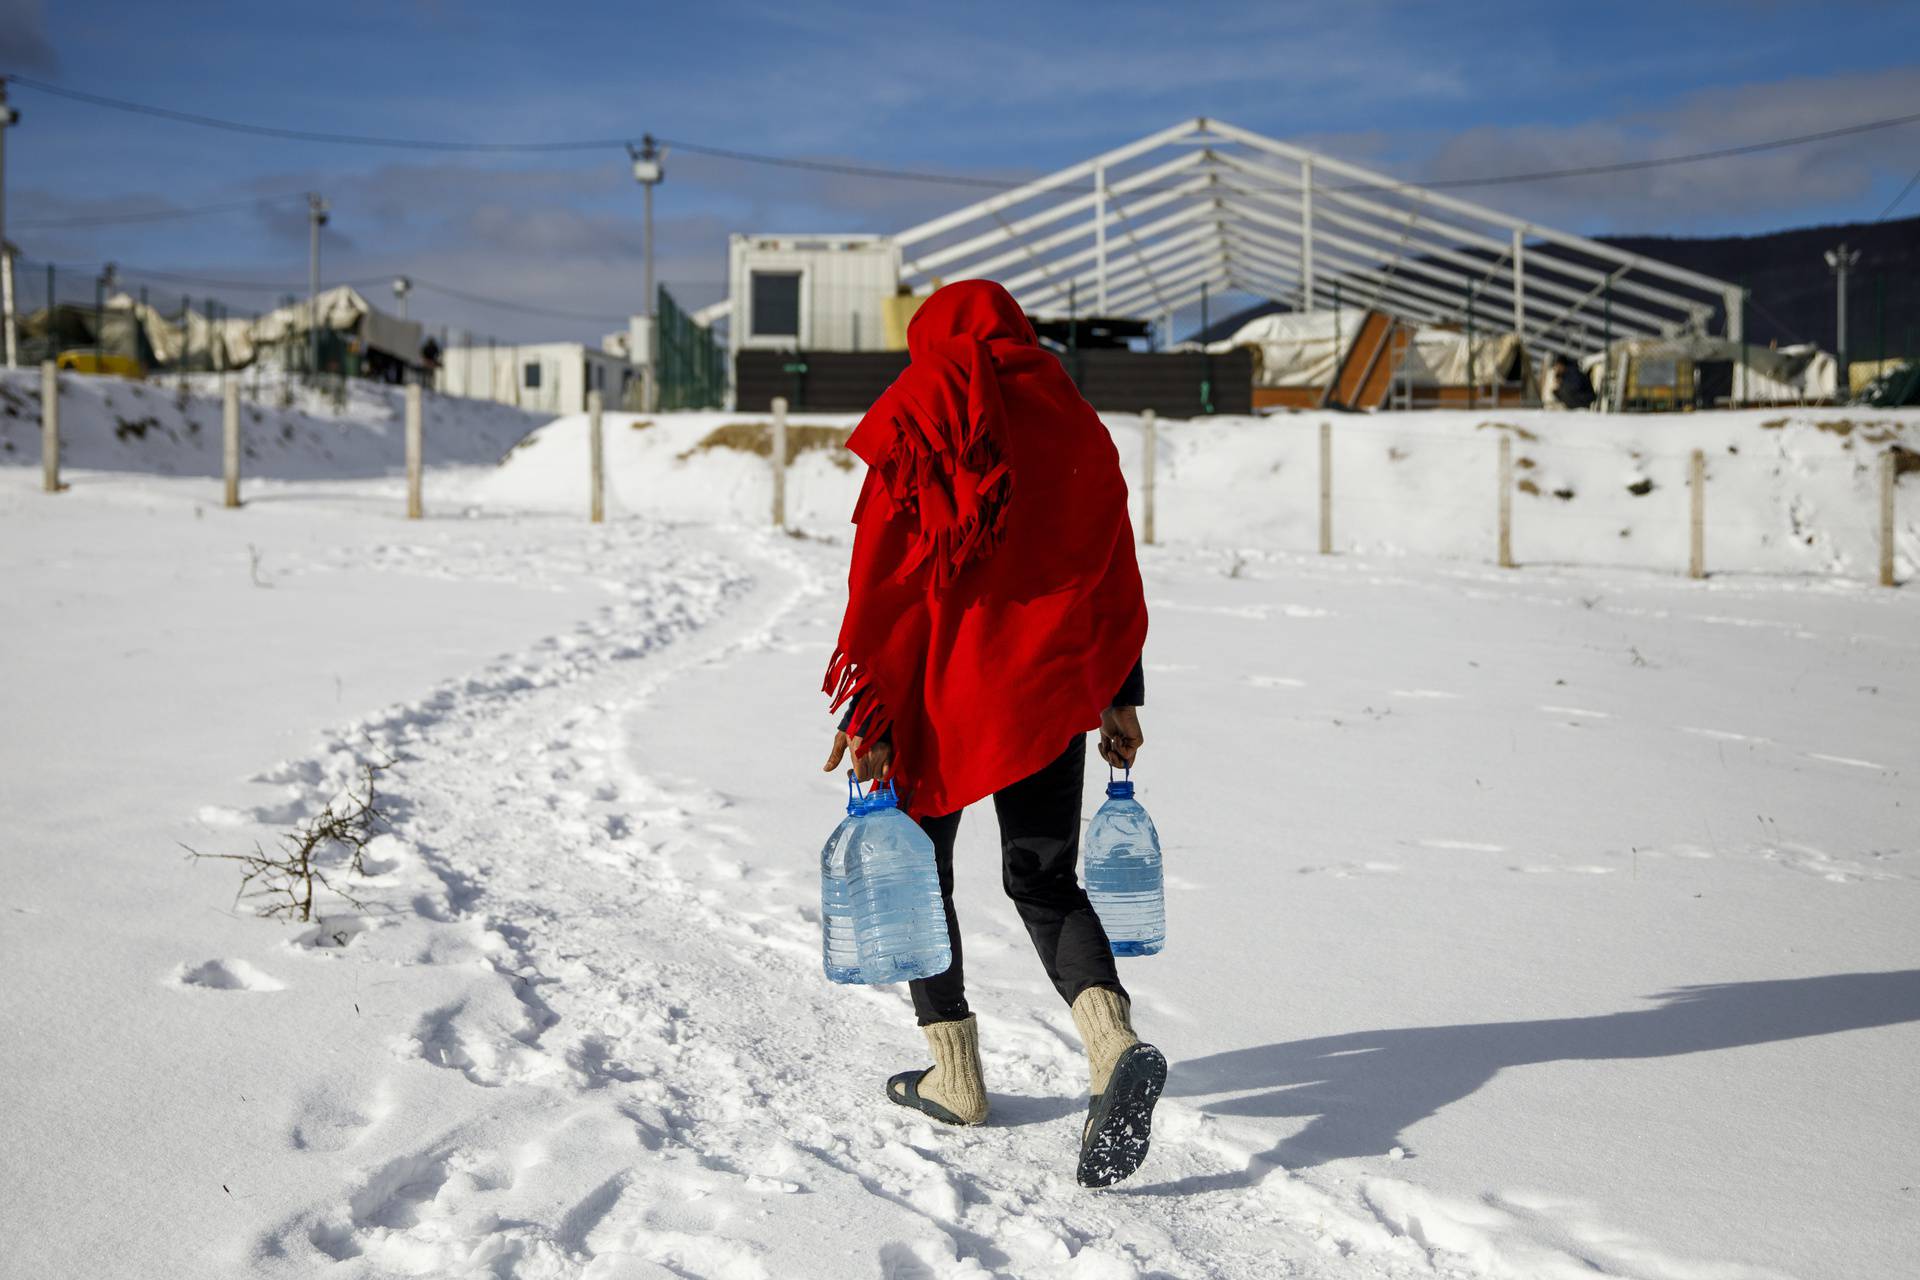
{"type": "Point", "coordinates": [1149, 457]}
{"type": "Point", "coordinates": [50, 426]}
{"type": "Point", "coordinates": [596, 458]}
{"type": "Point", "coordinates": [1697, 523]}
{"type": "Point", "coordinates": [230, 437]}
{"type": "Point", "coordinates": [1889, 473]}
{"type": "Point", "coordinates": [1506, 501]}
{"type": "Point", "coordinates": [1326, 488]}
{"type": "Point", "coordinates": [414, 450]}
{"type": "Point", "coordinates": [779, 462]}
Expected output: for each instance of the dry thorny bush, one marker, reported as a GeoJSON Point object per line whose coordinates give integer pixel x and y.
{"type": "Point", "coordinates": [335, 839]}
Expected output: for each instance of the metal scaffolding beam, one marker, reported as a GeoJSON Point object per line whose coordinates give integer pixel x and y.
{"type": "Point", "coordinates": [1137, 231]}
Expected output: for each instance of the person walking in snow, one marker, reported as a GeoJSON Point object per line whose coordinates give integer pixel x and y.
{"type": "Point", "coordinates": [994, 617]}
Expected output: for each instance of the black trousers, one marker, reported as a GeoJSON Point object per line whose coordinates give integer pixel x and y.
{"type": "Point", "coordinates": [1039, 857]}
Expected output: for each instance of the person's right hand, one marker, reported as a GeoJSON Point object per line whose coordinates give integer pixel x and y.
{"type": "Point", "coordinates": [875, 762]}
{"type": "Point", "coordinates": [1120, 736]}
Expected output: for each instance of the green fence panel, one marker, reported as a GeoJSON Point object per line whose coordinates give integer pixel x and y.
{"type": "Point", "coordinates": [693, 366]}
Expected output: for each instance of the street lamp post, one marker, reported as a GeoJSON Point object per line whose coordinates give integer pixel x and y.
{"type": "Point", "coordinates": [8, 116]}
{"type": "Point", "coordinates": [401, 287]}
{"type": "Point", "coordinates": [1841, 261]}
{"type": "Point", "coordinates": [102, 283]}
{"type": "Point", "coordinates": [316, 219]}
{"type": "Point", "coordinates": [648, 169]}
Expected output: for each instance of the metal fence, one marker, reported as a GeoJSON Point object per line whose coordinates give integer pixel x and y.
{"type": "Point", "coordinates": [693, 366]}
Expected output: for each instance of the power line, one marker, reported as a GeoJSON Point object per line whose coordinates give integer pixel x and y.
{"type": "Point", "coordinates": [507, 305]}
{"type": "Point", "coordinates": [156, 215]}
{"type": "Point", "coordinates": [910, 175]}
{"type": "Point", "coordinates": [1895, 202]}
{"type": "Point", "coordinates": [848, 170]}
{"type": "Point", "coordinates": [308, 135]}
{"type": "Point", "coordinates": [299, 289]}
{"type": "Point", "coordinates": [1720, 153]}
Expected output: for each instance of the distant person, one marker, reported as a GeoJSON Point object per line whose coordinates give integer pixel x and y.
{"type": "Point", "coordinates": [430, 355]}
{"type": "Point", "coordinates": [994, 616]}
{"type": "Point", "coordinates": [1571, 387]}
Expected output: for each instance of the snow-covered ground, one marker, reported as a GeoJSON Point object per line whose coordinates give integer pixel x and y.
{"type": "Point", "coordinates": [1551, 922]}
{"type": "Point", "coordinates": [1791, 491]}
{"type": "Point", "coordinates": [289, 431]}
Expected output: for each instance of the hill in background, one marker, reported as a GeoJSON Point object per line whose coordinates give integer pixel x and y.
{"type": "Point", "coordinates": [1793, 289]}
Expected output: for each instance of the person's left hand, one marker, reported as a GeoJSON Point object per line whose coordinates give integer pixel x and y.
{"type": "Point", "coordinates": [875, 762]}
{"type": "Point", "coordinates": [1120, 736]}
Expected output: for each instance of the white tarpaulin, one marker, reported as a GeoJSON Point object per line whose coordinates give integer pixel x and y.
{"type": "Point", "coordinates": [1438, 358]}
{"type": "Point", "coordinates": [1774, 375]}
{"type": "Point", "coordinates": [198, 333]}
{"type": "Point", "coordinates": [1296, 348]}
{"type": "Point", "coordinates": [342, 310]}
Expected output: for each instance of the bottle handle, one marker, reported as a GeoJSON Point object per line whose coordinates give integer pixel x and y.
{"type": "Point", "coordinates": [1127, 768]}
{"type": "Point", "coordinates": [853, 787]}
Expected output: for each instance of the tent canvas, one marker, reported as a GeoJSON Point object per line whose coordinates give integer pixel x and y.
{"type": "Point", "coordinates": [1295, 348]}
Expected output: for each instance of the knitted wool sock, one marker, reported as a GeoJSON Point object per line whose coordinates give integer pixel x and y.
{"type": "Point", "coordinates": [1102, 1016]}
{"type": "Point", "coordinates": [956, 1081]}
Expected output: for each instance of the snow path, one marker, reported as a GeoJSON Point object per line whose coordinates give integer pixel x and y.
{"type": "Point", "coordinates": [633, 1067]}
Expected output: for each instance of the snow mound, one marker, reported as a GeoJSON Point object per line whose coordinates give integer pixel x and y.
{"type": "Point", "coordinates": [289, 432]}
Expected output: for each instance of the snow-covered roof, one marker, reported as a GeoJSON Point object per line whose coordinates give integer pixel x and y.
{"type": "Point", "coordinates": [1146, 228]}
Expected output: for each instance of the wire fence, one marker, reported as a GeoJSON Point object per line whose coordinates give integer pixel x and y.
{"type": "Point", "coordinates": [1818, 496]}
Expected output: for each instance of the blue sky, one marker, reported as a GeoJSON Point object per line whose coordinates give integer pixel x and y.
{"type": "Point", "coordinates": [1419, 90]}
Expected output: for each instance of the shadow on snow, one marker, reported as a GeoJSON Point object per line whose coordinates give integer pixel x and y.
{"type": "Point", "coordinates": [1364, 1089]}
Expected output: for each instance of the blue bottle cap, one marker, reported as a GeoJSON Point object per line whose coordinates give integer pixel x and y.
{"type": "Point", "coordinates": [1122, 790]}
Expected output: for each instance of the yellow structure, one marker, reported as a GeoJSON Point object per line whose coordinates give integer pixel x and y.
{"type": "Point", "coordinates": [83, 360]}
{"type": "Point", "coordinates": [898, 310]}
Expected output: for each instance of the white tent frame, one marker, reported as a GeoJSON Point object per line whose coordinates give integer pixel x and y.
{"type": "Point", "coordinates": [1240, 212]}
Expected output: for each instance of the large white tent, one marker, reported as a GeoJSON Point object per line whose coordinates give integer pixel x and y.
{"type": "Point", "coordinates": [1149, 228]}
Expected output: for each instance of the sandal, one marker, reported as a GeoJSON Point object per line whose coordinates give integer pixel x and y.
{"type": "Point", "coordinates": [904, 1090]}
{"type": "Point", "coordinates": [1119, 1121]}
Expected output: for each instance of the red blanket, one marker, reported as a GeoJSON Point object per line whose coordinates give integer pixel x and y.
{"type": "Point", "coordinates": [994, 604]}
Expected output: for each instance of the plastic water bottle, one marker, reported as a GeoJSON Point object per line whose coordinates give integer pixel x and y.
{"type": "Point", "coordinates": [1122, 868]}
{"type": "Point", "coordinates": [899, 920]}
{"type": "Point", "coordinates": [839, 946]}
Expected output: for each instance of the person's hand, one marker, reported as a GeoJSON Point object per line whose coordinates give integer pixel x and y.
{"type": "Point", "coordinates": [874, 762]}
{"type": "Point", "coordinates": [1120, 736]}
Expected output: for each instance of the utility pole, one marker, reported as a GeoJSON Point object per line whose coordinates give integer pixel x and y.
{"type": "Point", "coordinates": [101, 283]}
{"type": "Point", "coordinates": [401, 287]}
{"type": "Point", "coordinates": [316, 219]}
{"type": "Point", "coordinates": [649, 160]}
{"type": "Point", "coordinates": [8, 116]}
{"type": "Point", "coordinates": [1841, 261]}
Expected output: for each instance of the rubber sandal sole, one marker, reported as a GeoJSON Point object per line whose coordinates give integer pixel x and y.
{"type": "Point", "coordinates": [1120, 1121]}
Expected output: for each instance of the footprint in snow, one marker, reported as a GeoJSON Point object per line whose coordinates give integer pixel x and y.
{"type": "Point", "coordinates": [223, 975]}
{"type": "Point", "coordinates": [326, 1121]}
{"type": "Point", "coordinates": [1852, 762]}
{"type": "Point", "coordinates": [1464, 846]}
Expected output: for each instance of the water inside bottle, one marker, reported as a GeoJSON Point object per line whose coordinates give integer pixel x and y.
{"type": "Point", "coordinates": [1123, 875]}
{"type": "Point", "coordinates": [902, 927]}
{"type": "Point", "coordinates": [839, 945]}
